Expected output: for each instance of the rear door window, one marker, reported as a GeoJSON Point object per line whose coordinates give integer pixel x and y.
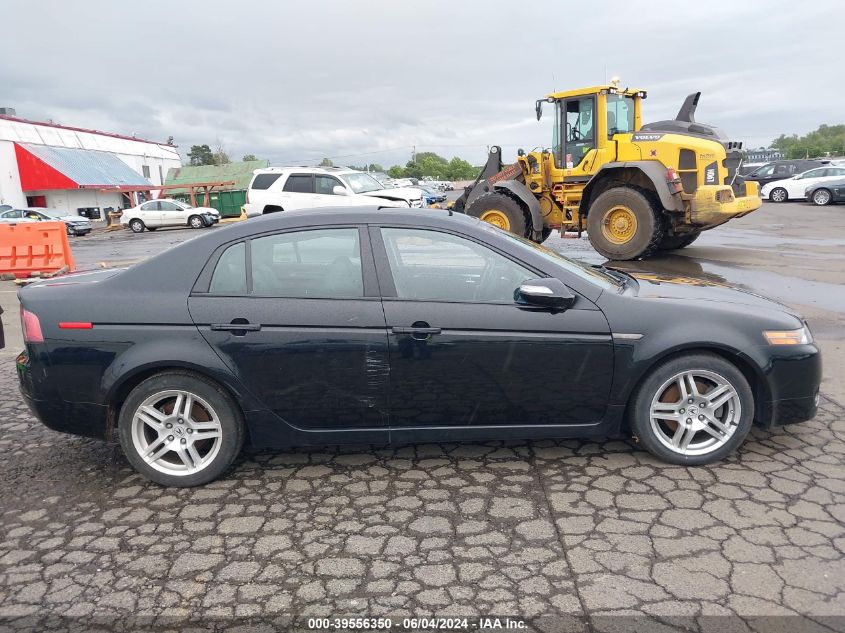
{"type": "Point", "coordinates": [264, 181]}
{"type": "Point", "coordinates": [323, 263]}
{"type": "Point", "coordinates": [230, 273]}
{"type": "Point", "coordinates": [299, 183]}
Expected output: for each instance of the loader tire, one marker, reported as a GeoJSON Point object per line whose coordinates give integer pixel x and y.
{"type": "Point", "coordinates": [501, 211]}
{"type": "Point", "coordinates": [674, 242]}
{"type": "Point", "coordinates": [623, 223]}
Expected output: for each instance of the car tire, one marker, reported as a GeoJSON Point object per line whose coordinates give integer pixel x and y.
{"type": "Point", "coordinates": [196, 222]}
{"type": "Point", "coordinates": [136, 226]}
{"type": "Point", "coordinates": [822, 197]}
{"type": "Point", "coordinates": [778, 194]}
{"type": "Point", "coordinates": [623, 223]}
{"type": "Point", "coordinates": [174, 453]}
{"type": "Point", "coordinates": [71, 232]}
{"type": "Point", "coordinates": [501, 211]}
{"type": "Point", "coordinates": [668, 418]}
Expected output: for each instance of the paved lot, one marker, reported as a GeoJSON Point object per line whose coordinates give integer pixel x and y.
{"type": "Point", "coordinates": [553, 529]}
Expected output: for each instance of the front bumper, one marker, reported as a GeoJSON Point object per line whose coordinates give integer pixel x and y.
{"type": "Point", "coordinates": [712, 205]}
{"type": "Point", "coordinates": [793, 375]}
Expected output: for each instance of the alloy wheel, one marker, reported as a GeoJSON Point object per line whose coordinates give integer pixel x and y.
{"type": "Point", "coordinates": [695, 412]}
{"type": "Point", "coordinates": [821, 197]}
{"type": "Point", "coordinates": [176, 432]}
{"type": "Point", "coordinates": [778, 194]}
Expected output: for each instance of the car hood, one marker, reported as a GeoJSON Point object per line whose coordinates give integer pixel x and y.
{"type": "Point", "coordinates": [658, 286]}
{"type": "Point", "coordinates": [406, 193]}
{"type": "Point", "coordinates": [72, 218]}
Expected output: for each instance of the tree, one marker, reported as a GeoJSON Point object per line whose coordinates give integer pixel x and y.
{"type": "Point", "coordinates": [221, 157]}
{"type": "Point", "coordinates": [326, 162]}
{"type": "Point", "coordinates": [200, 155]}
{"type": "Point", "coordinates": [827, 140]}
{"type": "Point", "coordinates": [459, 169]}
{"type": "Point", "coordinates": [248, 157]}
{"type": "Point", "coordinates": [396, 172]}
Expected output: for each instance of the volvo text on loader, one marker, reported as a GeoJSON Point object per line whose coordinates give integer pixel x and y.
{"type": "Point", "coordinates": [634, 188]}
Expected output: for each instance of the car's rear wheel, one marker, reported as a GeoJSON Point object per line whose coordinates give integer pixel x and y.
{"type": "Point", "coordinates": [179, 429]}
{"type": "Point", "coordinates": [821, 197]}
{"type": "Point", "coordinates": [779, 194]}
{"type": "Point", "coordinates": [196, 222]}
{"type": "Point", "coordinates": [136, 226]}
{"type": "Point", "coordinates": [693, 409]}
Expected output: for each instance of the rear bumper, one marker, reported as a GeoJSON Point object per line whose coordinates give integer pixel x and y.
{"type": "Point", "coordinates": [712, 205]}
{"type": "Point", "coordinates": [46, 403]}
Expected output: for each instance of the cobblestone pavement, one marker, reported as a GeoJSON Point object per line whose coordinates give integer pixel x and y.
{"type": "Point", "coordinates": [556, 529]}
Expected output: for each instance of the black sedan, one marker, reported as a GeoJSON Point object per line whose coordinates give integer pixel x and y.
{"type": "Point", "coordinates": [823, 193]}
{"type": "Point", "coordinates": [376, 326]}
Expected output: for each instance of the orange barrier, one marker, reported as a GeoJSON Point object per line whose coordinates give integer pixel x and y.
{"type": "Point", "coordinates": [30, 247]}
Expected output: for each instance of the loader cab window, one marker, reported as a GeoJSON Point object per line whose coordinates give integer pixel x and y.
{"type": "Point", "coordinates": [620, 115]}
{"type": "Point", "coordinates": [578, 130]}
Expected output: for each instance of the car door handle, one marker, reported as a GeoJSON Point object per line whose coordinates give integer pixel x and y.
{"type": "Point", "coordinates": [235, 326]}
{"type": "Point", "coordinates": [416, 332]}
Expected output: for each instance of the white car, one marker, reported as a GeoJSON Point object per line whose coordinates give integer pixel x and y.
{"type": "Point", "coordinates": [290, 188]}
{"type": "Point", "coordinates": [76, 224]}
{"type": "Point", "coordinates": [8, 215]}
{"type": "Point", "coordinates": [795, 188]}
{"type": "Point", "coordinates": [155, 214]}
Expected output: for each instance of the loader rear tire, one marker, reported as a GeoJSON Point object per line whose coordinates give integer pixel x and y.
{"type": "Point", "coordinates": [501, 211]}
{"type": "Point", "coordinates": [623, 223]}
{"type": "Point", "coordinates": [674, 242]}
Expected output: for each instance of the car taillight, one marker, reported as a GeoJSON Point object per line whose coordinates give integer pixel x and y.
{"type": "Point", "coordinates": [31, 327]}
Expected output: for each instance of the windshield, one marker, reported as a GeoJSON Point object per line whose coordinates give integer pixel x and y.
{"type": "Point", "coordinates": [362, 183]}
{"type": "Point", "coordinates": [620, 114]}
{"type": "Point", "coordinates": [184, 205]}
{"type": "Point", "coordinates": [592, 275]}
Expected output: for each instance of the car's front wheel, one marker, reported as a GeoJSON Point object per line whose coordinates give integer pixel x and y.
{"type": "Point", "coordinates": [693, 410]}
{"type": "Point", "coordinates": [136, 226]}
{"type": "Point", "coordinates": [196, 222]}
{"type": "Point", "coordinates": [180, 429]}
{"type": "Point", "coordinates": [821, 197]}
{"type": "Point", "coordinates": [779, 194]}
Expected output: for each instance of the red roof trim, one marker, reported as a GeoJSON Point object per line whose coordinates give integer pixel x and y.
{"type": "Point", "coordinates": [36, 175]}
{"type": "Point", "coordinates": [82, 129]}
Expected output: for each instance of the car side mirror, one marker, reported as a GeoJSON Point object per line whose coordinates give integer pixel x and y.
{"type": "Point", "coordinates": [545, 293]}
{"type": "Point", "coordinates": [340, 191]}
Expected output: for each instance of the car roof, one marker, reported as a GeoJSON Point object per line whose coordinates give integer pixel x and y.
{"type": "Point", "coordinates": [310, 168]}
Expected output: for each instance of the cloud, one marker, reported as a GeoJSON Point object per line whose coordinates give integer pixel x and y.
{"type": "Point", "coordinates": [298, 81]}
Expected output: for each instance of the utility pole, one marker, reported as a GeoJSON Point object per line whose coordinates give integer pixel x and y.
{"type": "Point", "coordinates": [414, 154]}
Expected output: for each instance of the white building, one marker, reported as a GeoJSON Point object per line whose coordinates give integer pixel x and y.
{"type": "Point", "coordinates": [67, 168]}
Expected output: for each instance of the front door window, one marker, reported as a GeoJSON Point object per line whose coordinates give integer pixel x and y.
{"type": "Point", "coordinates": [579, 130]}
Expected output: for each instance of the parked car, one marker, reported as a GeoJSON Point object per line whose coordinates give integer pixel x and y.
{"type": "Point", "coordinates": [291, 188]}
{"type": "Point", "coordinates": [781, 169]}
{"type": "Point", "coordinates": [823, 193]}
{"type": "Point", "coordinates": [13, 216]}
{"type": "Point", "coordinates": [379, 326]}
{"type": "Point", "coordinates": [5, 207]}
{"type": "Point", "coordinates": [155, 214]}
{"type": "Point", "coordinates": [795, 188]}
{"type": "Point", "coordinates": [76, 224]}
{"type": "Point", "coordinates": [431, 197]}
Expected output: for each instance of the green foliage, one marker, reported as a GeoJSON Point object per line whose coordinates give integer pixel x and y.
{"type": "Point", "coordinates": [221, 158]}
{"type": "Point", "coordinates": [431, 165]}
{"type": "Point", "coordinates": [248, 157]}
{"type": "Point", "coordinates": [326, 162]}
{"type": "Point", "coordinates": [370, 167]}
{"type": "Point", "coordinates": [201, 155]}
{"type": "Point", "coordinates": [828, 140]}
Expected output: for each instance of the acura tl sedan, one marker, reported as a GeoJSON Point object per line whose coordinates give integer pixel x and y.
{"type": "Point", "coordinates": [394, 326]}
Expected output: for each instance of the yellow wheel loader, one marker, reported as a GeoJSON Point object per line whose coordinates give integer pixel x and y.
{"type": "Point", "coordinates": [634, 188]}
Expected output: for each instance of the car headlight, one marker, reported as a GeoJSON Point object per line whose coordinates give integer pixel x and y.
{"type": "Point", "coordinates": [801, 336]}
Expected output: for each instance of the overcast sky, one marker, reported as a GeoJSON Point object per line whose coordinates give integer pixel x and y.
{"type": "Point", "coordinates": [364, 81]}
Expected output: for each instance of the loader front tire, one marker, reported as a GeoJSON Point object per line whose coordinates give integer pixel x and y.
{"type": "Point", "coordinates": [675, 242]}
{"type": "Point", "coordinates": [623, 224]}
{"type": "Point", "coordinates": [501, 211]}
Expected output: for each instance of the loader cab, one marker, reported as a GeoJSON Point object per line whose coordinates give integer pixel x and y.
{"type": "Point", "coordinates": [587, 120]}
